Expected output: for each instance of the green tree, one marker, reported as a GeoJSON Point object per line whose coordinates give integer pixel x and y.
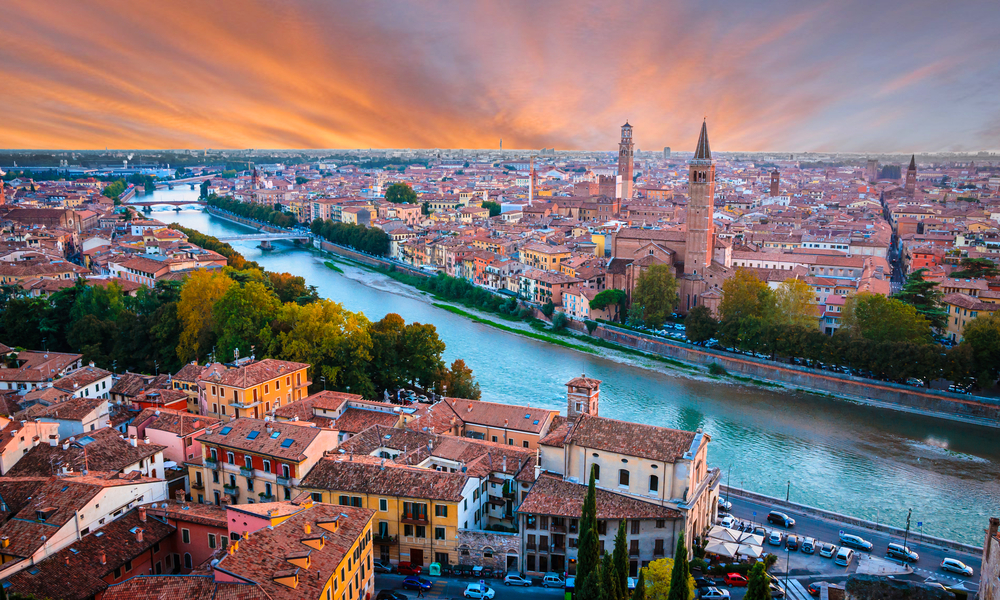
{"type": "Point", "coordinates": [619, 572]}
{"type": "Point", "coordinates": [880, 319]}
{"type": "Point", "coordinates": [400, 193]}
{"type": "Point", "coordinates": [700, 325]}
{"type": "Point", "coordinates": [609, 578]}
{"type": "Point", "coordinates": [656, 292]}
{"type": "Point", "coordinates": [639, 593]}
{"type": "Point", "coordinates": [301, 180]}
{"type": "Point", "coordinates": [494, 207]}
{"type": "Point", "coordinates": [204, 189]}
{"type": "Point", "coordinates": [680, 577]}
{"type": "Point", "coordinates": [982, 335]}
{"type": "Point", "coordinates": [241, 315]}
{"type": "Point", "coordinates": [924, 296]}
{"type": "Point", "coordinates": [748, 306]}
{"type": "Point", "coordinates": [548, 308]}
{"type": "Point", "coordinates": [658, 580]}
{"type": "Point", "coordinates": [422, 350]}
{"type": "Point", "coordinates": [589, 556]}
{"type": "Point", "coordinates": [977, 268]}
{"type": "Point", "coordinates": [758, 586]}
{"type": "Point", "coordinates": [610, 297]}
{"type": "Point", "coordinates": [794, 303]}
{"type": "Point", "coordinates": [459, 382]}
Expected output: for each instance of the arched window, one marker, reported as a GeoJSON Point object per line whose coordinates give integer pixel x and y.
{"type": "Point", "coordinates": [187, 560]}
{"type": "Point", "coordinates": [597, 472]}
{"type": "Point", "coordinates": [623, 477]}
{"type": "Point", "coordinates": [248, 461]}
{"type": "Point", "coordinates": [654, 483]}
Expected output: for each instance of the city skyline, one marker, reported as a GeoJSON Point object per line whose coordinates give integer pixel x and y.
{"type": "Point", "coordinates": [830, 77]}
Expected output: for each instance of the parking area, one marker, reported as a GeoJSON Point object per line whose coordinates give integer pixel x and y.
{"type": "Point", "coordinates": [453, 587]}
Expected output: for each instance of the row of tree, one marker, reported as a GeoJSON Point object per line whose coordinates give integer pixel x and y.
{"type": "Point", "coordinates": [370, 240]}
{"type": "Point", "coordinates": [258, 212]}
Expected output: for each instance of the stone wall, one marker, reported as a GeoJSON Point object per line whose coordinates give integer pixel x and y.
{"type": "Point", "coordinates": [474, 544]}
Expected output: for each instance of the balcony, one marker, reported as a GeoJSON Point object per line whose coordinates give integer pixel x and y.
{"type": "Point", "coordinates": [265, 498]}
{"type": "Point", "coordinates": [633, 552]}
{"type": "Point", "coordinates": [658, 552]}
{"type": "Point", "coordinates": [414, 519]}
{"type": "Point", "coordinates": [378, 538]}
{"type": "Point", "coordinates": [197, 485]}
{"type": "Point", "coordinates": [232, 490]}
{"type": "Point", "coordinates": [211, 464]}
{"type": "Point", "coordinates": [248, 473]}
{"type": "Point", "coordinates": [285, 481]}
{"type": "Point", "coordinates": [558, 528]}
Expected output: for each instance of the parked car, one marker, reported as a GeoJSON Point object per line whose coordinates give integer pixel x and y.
{"type": "Point", "coordinates": [390, 595]}
{"type": "Point", "coordinates": [405, 568]}
{"type": "Point", "coordinates": [714, 593]}
{"type": "Point", "coordinates": [516, 579]}
{"type": "Point", "coordinates": [902, 553]}
{"type": "Point", "coordinates": [779, 518]}
{"type": "Point", "coordinates": [383, 567]}
{"type": "Point", "coordinates": [855, 541]}
{"type": "Point", "coordinates": [760, 531]}
{"type": "Point", "coordinates": [476, 592]}
{"type": "Point", "coordinates": [735, 580]}
{"type": "Point", "coordinates": [701, 582]}
{"type": "Point", "coordinates": [814, 588]}
{"type": "Point", "coordinates": [776, 590]}
{"type": "Point", "coordinates": [775, 538]}
{"type": "Point", "coordinates": [553, 580]}
{"type": "Point", "coordinates": [792, 543]}
{"type": "Point", "coordinates": [415, 582]}
{"type": "Point", "coordinates": [827, 550]}
{"type": "Point", "coordinates": [956, 566]}
{"type": "Point", "coordinates": [808, 546]}
{"type": "Point", "coordinates": [728, 521]}
{"type": "Point", "coordinates": [844, 557]}
{"type": "Point", "coordinates": [725, 505]}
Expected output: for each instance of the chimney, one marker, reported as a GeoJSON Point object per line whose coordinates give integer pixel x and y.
{"type": "Point", "coordinates": [179, 495]}
{"type": "Point", "coordinates": [145, 440]}
{"type": "Point", "coordinates": [138, 533]}
{"type": "Point", "coordinates": [65, 445]}
{"type": "Point", "coordinates": [132, 440]}
{"type": "Point", "coordinates": [308, 529]}
{"type": "Point", "coordinates": [103, 557]}
{"type": "Point", "coordinates": [470, 407]}
{"type": "Point", "coordinates": [142, 514]}
{"type": "Point", "coordinates": [54, 440]}
{"type": "Point", "coordinates": [67, 560]}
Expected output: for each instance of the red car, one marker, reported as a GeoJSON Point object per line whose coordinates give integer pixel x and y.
{"type": "Point", "coordinates": [735, 580]}
{"type": "Point", "coordinates": [405, 568]}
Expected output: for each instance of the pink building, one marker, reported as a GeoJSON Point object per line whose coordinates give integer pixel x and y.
{"type": "Point", "coordinates": [175, 429]}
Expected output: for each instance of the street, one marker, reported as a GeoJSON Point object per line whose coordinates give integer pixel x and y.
{"type": "Point", "coordinates": [446, 588]}
{"type": "Point", "coordinates": [806, 569]}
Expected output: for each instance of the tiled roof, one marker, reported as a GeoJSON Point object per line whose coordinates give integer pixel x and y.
{"type": "Point", "coordinates": [265, 553]}
{"type": "Point", "coordinates": [264, 437]}
{"type": "Point", "coordinates": [133, 384]}
{"type": "Point", "coordinates": [551, 495]}
{"type": "Point", "coordinates": [507, 416]}
{"type": "Point", "coordinates": [623, 437]}
{"type": "Point", "coordinates": [203, 514]}
{"type": "Point", "coordinates": [106, 451]}
{"type": "Point", "coordinates": [356, 420]}
{"type": "Point", "coordinates": [80, 378]}
{"type": "Point", "coordinates": [340, 473]}
{"type": "Point", "coordinates": [76, 571]}
{"type": "Point", "coordinates": [255, 373]}
{"type": "Point", "coordinates": [60, 499]}
{"type": "Point", "coordinates": [182, 587]}
{"type": "Point", "coordinates": [584, 382]}
{"type": "Point", "coordinates": [174, 421]}
{"type": "Point", "coordinates": [73, 409]}
{"type": "Point", "coordinates": [16, 492]}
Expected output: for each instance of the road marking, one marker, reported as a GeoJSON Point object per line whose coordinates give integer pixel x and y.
{"type": "Point", "coordinates": [796, 590]}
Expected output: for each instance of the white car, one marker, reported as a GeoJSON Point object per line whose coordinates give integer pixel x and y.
{"type": "Point", "coordinates": [475, 591]}
{"type": "Point", "coordinates": [728, 521]}
{"type": "Point", "coordinates": [515, 579]}
{"type": "Point", "coordinates": [775, 538]}
{"type": "Point", "coordinates": [725, 505]}
{"type": "Point", "coordinates": [713, 593]}
{"type": "Point", "coordinates": [956, 566]}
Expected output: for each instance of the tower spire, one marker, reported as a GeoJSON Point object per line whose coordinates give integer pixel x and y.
{"type": "Point", "coordinates": [913, 162]}
{"type": "Point", "coordinates": [703, 152]}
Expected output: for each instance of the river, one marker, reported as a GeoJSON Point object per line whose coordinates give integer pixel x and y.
{"type": "Point", "coordinates": [858, 460]}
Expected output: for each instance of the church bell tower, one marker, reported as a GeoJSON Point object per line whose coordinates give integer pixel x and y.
{"type": "Point", "coordinates": [701, 205]}
{"type": "Point", "coordinates": [626, 149]}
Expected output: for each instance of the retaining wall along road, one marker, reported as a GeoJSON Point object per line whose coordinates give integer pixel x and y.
{"type": "Point", "coordinates": [778, 503]}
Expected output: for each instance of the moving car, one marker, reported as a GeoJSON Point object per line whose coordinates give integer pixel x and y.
{"type": "Point", "coordinates": [813, 588]}
{"type": "Point", "coordinates": [405, 568]}
{"type": "Point", "coordinates": [553, 580]}
{"type": "Point", "coordinates": [775, 538]}
{"type": "Point", "coordinates": [902, 553]}
{"type": "Point", "coordinates": [383, 567]}
{"type": "Point", "coordinates": [735, 580]}
{"type": "Point", "coordinates": [792, 543]}
{"type": "Point", "coordinates": [808, 545]}
{"type": "Point", "coordinates": [827, 550]}
{"type": "Point", "coordinates": [476, 592]}
{"type": "Point", "coordinates": [516, 579]}
{"type": "Point", "coordinates": [701, 582]}
{"type": "Point", "coordinates": [714, 593]}
{"type": "Point", "coordinates": [414, 582]}
{"type": "Point", "coordinates": [725, 505]}
{"type": "Point", "coordinates": [779, 518]}
{"type": "Point", "coordinates": [956, 566]}
{"type": "Point", "coordinates": [855, 541]}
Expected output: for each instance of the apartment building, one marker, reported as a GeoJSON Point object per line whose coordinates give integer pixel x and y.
{"type": "Point", "coordinates": [252, 389]}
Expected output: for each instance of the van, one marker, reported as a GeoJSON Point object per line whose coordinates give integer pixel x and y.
{"type": "Point", "coordinates": [553, 580]}
{"type": "Point", "coordinates": [844, 557]}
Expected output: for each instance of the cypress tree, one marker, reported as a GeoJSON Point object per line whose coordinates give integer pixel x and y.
{"type": "Point", "coordinates": [590, 585]}
{"type": "Point", "coordinates": [621, 561]}
{"type": "Point", "coordinates": [640, 588]}
{"type": "Point", "coordinates": [681, 572]}
{"type": "Point", "coordinates": [609, 578]}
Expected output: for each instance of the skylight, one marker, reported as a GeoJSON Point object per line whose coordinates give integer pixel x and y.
{"type": "Point", "coordinates": [287, 442]}
{"type": "Point", "coordinates": [85, 440]}
{"type": "Point", "coordinates": [275, 435]}
{"type": "Point", "coordinates": [225, 430]}
{"type": "Point", "coordinates": [253, 435]}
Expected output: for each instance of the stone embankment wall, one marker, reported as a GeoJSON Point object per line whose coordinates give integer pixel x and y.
{"type": "Point", "coordinates": [367, 259]}
{"type": "Point", "coordinates": [244, 221]}
{"type": "Point", "coordinates": [778, 503]}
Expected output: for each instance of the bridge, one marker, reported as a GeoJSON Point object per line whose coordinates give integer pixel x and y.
{"type": "Point", "coordinates": [265, 236]}
{"type": "Point", "coordinates": [166, 203]}
{"type": "Point", "coordinates": [192, 181]}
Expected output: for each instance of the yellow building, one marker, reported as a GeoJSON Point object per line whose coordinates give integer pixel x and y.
{"type": "Point", "coordinates": [543, 256]}
{"type": "Point", "coordinates": [253, 389]}
{"type": "Point", "coordinates": [963, 308]}
{"type": "Point", "coordinates": [418, 511]}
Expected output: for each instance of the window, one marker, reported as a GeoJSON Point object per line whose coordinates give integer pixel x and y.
{"type": "Point", "coordinates": [661, 523]}
{"type": "Point", "coordinates": [654, 483]}
{"type": "Point", "coordinates": [383, 505]}
{"type": "Point", "coordinates": [634, 524]}
{"type": "Point", "coordinates": [187, 560]}
{"type": "Point", "coordinates": [439, 533]}
{"type": "Point", "coordinates": [440, 511]}
{"type": "Point", "coordinates": [597, 472]}
{"type": "Point", "coordinates": [267, 466]}
{"type": "Point", "coordinates": [186, 536]}
{"type": "Point", "coordinates": [525, 443]}
{"type": "Point", "coordinates": [421, 531]}
{"type": "Point", "coordinates": [623, 477]}
{"type": "Point", "coordinates": [230, 458]}
{"type": "Point", "coordinates": [248, 462]}
{"type": "Point", "coordinates": [211, 540]}
{"type": "Point", "coordinates": [285, 471]}
{"type": "Point", "coordinates": [214, 453]}
{"type": "Point", "coordinates": [602, 527]}
{"type": "Point", "coordinates": [494, 439]}
{"type": "Point", "coordinates": [408, 530]}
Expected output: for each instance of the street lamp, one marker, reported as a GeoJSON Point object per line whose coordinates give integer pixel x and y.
{"type": "Point", "coordinates": [788, 556]}
{"type": "Point", "coordinates": [906, 533]}
{"type": "Point", "coordinates": [789, 490]}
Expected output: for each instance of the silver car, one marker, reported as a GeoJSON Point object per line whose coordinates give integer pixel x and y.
{"type": "Point", "coordinates": [956, 566]}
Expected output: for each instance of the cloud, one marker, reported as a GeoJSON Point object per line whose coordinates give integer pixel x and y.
{"type": "Point", "coordinates": [437, 74]}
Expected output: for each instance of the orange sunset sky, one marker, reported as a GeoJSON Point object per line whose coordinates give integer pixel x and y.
{"type": "Point", "coordinates": [818, 75]}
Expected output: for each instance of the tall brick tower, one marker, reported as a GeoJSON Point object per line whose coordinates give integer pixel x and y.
{"type": "Point", "coordinates": [625, 161]}
{"type": "Point", "coordinates": [911, 177]}
{"type": "Point", "coordinates": [775, 182]}
{"type": "Point", "coordinates": [701, 195]}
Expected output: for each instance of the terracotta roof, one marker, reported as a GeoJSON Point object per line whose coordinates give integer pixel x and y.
{"type": "Point", "coordinates": [264, 555]}
{"type": "Point", "coordinates": [584, 382]}
{"type": "Point", "coordinates": [133, 384]}
{"type": "Point", "coordinates": [551, 495]}
{"type": "Point", "coordinates": [255, 373]}
{"type": "Point", "coordinates": [189, 512]}
{"type": "Point", "coordinates": [356, 420]}
{"type": "Point", "coordinates": [264, 437]}
{"type": "Point", "coordinates": [76, 572]}
{"type": "Point", "coordinates": [341, 473]}
{"type": "Point", "coordinates": [105, 451]}
{"type": "Point", "coordinates": [492, 414]}
{"type": "Point", "coordinates": [16, 492]}
{"type": "Point", "coordinates": [73, 409]}
{"type": "Point", "coordinates": [80, 378]}
{"type": "Point", "coordinates": [182, 587]}
{"type": "Point", "coordinates": [623, 437]}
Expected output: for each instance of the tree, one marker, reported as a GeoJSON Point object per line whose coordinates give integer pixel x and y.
{"type": "Point", "coordinates": [559, 321]}
{"type": "Point", "coordinates": [301, 180]}
{"type": "Point", "coordinates": [459, 382]}
{"type": "Point", "coordinates": [681, 587]}
{"type": "Point", "coordinates": [620, 563]}
{"type": "Point", "coordinates": [610, 297]}
{"type": "Point", "coordinates": [758, 586]}
{"type": "Point", "coordinates": [400, 193]}
{"type": "Point", "coordinates": [640, 587]}
{"type": "Point", "coordinates": [194, 311]}
{"type": "Point", "coordinates": [794, 303]}
{"type": "Point", "coordinates": [421, 350]}
{"type": "Point", "coordinates": [204, 189]}
{"type": "Point", "coordinates": [880, 319]}
{"type": "Point", "coordinates": [982, 335]}
{"type": "Point", "coordinates": [977, 268]}
{"type": "Point", "coordinates": [700, 325]}
{"type": "Point", "coordinates": [747, 308]}
{"type": "Point", "coordinates": [658, 579]}
{"type": "Point", "coordinates": [656, 292]}
{"type": "Point", "coordinates": [548, 308]}
{"type": "Point", "coordinates": [494, 207]}
{"type": "Point", "coordinates": [588, 557]}
{"type": "Point", "coordinates": [924, 296]}
{"type": "Point", "coordinates": [241, 315]}
{"type": "Point", "coordinates": [609, 578]}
